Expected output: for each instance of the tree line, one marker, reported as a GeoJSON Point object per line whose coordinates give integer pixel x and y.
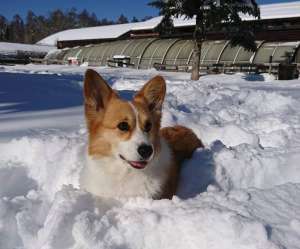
{"type": "Point", "coordinates": [36, 27]}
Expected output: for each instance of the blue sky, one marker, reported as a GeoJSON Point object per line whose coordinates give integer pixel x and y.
{"type": "Point", "coordinates": [110, 9]}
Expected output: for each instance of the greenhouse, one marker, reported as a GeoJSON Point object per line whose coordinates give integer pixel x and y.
{"type": "Point", "coordinates": [145, 53]}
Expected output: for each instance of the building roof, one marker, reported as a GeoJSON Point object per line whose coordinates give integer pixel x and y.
{"type": "Point", "coordinates": [9, 47]}
{"type": "Point", "coordinates": [99, 32]}
{"type": "Point", "coordinates": [268, 11]}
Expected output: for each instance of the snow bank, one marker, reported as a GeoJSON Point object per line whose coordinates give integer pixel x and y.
{"type": "Point", "coordinates": [241, 191]}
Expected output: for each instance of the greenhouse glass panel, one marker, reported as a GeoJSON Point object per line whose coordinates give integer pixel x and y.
{"type": "Point", "coordinates": [89, 53]}
{"type": "Point", "coordinates": [297, 57]}
{"type": "Point", "coordinates": [119, 47]}
{"type": "Point", "coordinates": [132, 46]}
{"type": "Point", "coordinates": [184, 53]}
{"type": "Point", "coordinates": [204, 49]}
{"type": "Point", "coordinates": [135, 49]}
{"type": "Point", "coordinates": [108, 52]}
{"type": "Point", "coordinates": [229, 54]}
{"type": "Point", "coordinates": [149, 52]}
{"type": "Point", "coordinates": [53, 55]}
{"type": "Point", "coordinates": [285, 52]}
{"type": "Point", "coordinates": [161, 51]}
{"type": "Point", "coordinates": [61, 55]}
{"type": "Point", "coordinates": [264, 52]}
{"type": "Point", "coordinates": [139, 50]}
{"type": "Point", "coordinates": [97, 53]}
{"type": "Point", "coordinates": [243, 56]}
{"type": "Point", "coordinates": [173, 52]}
{"type": "Point", "coordinates": [214, 52]}
{"type": "Point", "coordinates": [108, 47]}
{"type": "Point", "coordinates": [84, 53]}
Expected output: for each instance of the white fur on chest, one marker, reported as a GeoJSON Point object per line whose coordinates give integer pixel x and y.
{"type": "Point", "coordinates": [112, 177]}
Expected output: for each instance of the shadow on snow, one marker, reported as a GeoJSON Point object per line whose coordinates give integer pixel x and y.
{"type": "Point", "coordinates": [39, 92]}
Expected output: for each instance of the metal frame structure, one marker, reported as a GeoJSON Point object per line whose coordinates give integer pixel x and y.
{"type": "Point", "coordinates": [178, 52]}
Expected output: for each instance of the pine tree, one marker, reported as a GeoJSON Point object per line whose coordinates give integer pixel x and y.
{"type": "Point", "coordinates": [93, 20]}
{"type": "Point", "coordinates": [84, 18]}
{"type": "Point", "coordinates": [134, 19]}
{"type": "Point", "coordinates": [212, 15]}
{"type": "Point", "coordinates": [104, 21]}
{"type": "Point", "coordinates": [71, 16]}
{"type": "Point", "coordinates": [30, 27]}
{"type": "Point", "coordinates": [57, 21]}
{"type": "Point", "coordinates": [3, 28]}
{"type": "Point", "coordinates": [17, 29]}
{"type": "Point", "coordinates": [122, 19]}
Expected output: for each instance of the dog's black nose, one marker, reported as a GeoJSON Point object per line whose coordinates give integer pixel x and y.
{"type": "Point", "coordinates": [145, 151]}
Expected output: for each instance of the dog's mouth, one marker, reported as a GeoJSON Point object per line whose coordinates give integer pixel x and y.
{"type": "Point", "coordinates": [135, 164]}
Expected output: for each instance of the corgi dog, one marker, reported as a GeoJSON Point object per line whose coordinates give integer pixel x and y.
{"type": "Point", "coordinates": [128, 154]}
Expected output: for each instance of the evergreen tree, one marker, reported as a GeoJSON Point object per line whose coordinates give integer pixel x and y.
{"type": "Point", "coordinates": [72, 18]}
{"type": "Point", "coordinates": [3, 28]}
{"type": "Point", "coordinates": [17, 29]}
{"type": "Point", "coordinates": [212, 15]}
{"type": "Point", "coordinates": [104, 21]}
{"type": "Point", "coordinates": [30, 27]}
{"type": "Point", "coordinates": [93, 20]}
{"type": "Point", "coordinates": [134, 19]}
{"type": "Point", "coordinates": [165, 27]}
{"type": "Point", "coordinates": [83, 18]}
{"type": "Point", "coordinates": [57, 21]}
{"type": "Point", "coordinates": [122, 19]}
{"type": "Point", "coordinates": [42, 28]}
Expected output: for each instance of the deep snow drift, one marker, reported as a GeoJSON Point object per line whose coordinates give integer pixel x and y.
{"type": "Point", "coordinates": [242, 191]}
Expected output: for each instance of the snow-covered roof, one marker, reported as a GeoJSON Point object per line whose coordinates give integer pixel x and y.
{"type": "Point", "coordinates": [280, 10]}
{"type": "Point", "coordinates": [268, 11]}
{"type": "Point", "coordinates": [13, 47]}
{"type": "Point", "coordinates": [99, 32]}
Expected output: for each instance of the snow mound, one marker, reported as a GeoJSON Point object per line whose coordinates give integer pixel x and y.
{"type": "Point", "coordinates": [241, 191]}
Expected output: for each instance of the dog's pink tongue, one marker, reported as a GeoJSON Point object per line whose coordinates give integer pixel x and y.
{"type": "Point", "coordinates": [138, 165]}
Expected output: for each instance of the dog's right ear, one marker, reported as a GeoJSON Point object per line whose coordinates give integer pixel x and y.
{"type": "Point", "coordinates": [97, 93]}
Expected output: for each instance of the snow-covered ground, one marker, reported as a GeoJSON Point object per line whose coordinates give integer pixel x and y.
{"type": "Point", "coordinates": [241, 191]}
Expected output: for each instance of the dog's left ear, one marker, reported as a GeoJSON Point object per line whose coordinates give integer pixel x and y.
{"type": "Point", "coordinates": [153, 92]}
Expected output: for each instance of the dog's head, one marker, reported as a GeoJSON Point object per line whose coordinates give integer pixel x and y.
{"type": "Point", "coordinates": [119, 129]}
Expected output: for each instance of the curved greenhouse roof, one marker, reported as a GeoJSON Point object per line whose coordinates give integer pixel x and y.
{"type": "Point", "coordinates": [144, 53]}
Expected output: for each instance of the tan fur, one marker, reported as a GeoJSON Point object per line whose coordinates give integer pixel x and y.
{"type": "Point", "coordinates": [104, 110]}
{"type": "Point", "coordinates": [183, 142]}
{"type": "Point", "coordinates": [103, 130]}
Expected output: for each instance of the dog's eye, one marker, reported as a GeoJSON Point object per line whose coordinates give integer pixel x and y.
{"type": "Point", "coordinates": [147, 126]}
{"type": "Point", "coordinates": [123, 126]}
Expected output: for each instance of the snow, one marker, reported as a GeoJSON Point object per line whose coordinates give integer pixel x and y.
{"type": "Point", "coordinates": [241, 191]}
{"type": "Point", "coordinates": [280, 10]}
{"type": "Point", "coordinates": [267, 11]}
{"type": "Point", "coordinates": [8, 47]}
{"type": "Point", "coordinates": [101, 32]}
{"type": "Point", "coordinates": [98, 32]}
{"type": "Point", "coordinates": [120, 56]}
